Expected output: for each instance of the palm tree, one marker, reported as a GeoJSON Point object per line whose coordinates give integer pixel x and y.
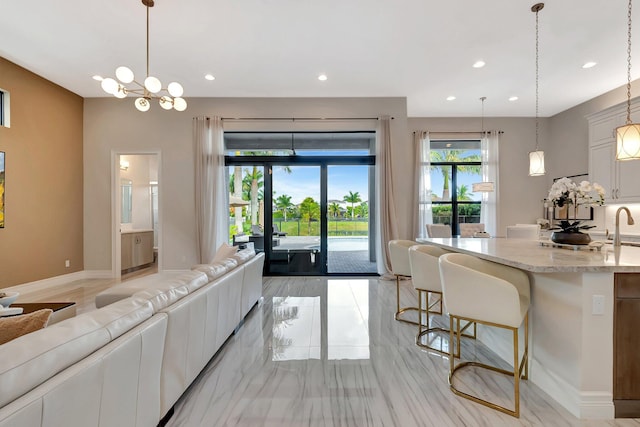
{"type": "Point", "coordinates": [438, 156]}
{"type": "Point", "coordinates": [463, 193]}
{"type": "Point", "coordinates": [334, 209]}
{"type": "Point", "coordinates": [253, 180]}
{"type": "Point", "coordinates": [352, 198]}
{"type": "Point", "coordinates": [283, 203]}
{"type": "Point", "coordinates": [362, 210]}
{"type": "Point", "coordinates": [310, 210]}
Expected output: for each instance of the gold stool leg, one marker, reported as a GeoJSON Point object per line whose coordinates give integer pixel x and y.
{"type": "Point", "coordinates": [517, 373]}
{"type": "Point", "coordinates": [399, 310]}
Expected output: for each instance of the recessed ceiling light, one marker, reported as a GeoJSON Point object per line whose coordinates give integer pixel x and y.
{"type": "Point", "coordinates": [97, 77]}
{"type": "Point", "coordinates": [513, 98]}
{"type": "Point", "coordinates": [451, 98]}
{"type": "Point", "coordinates": [209, 77]}
{"type": "Point", "coordinates": [479, 64]}
{"type": "Point", "coordinates": [322, 77]}
{"type": "Point", "coordinates": [589, 64]}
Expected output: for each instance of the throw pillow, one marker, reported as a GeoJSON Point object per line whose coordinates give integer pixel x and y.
{"type": "Point", "coordinates": [16, 326]}
{"type": "Point", "coordinates": [224, 251]}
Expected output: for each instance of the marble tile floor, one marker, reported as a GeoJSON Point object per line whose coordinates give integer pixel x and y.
{"type": "Point", "coordinates": [327, 352]}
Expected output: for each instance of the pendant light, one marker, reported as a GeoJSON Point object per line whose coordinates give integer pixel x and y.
{"type": "Point", "coordinates": [536, 158]}
{"type": "Point", "coordinates": [485, 186]}
{"type": "Point", "coordinates": [628, 136]}
{"type": "Point", "coordinates": [149, 89]}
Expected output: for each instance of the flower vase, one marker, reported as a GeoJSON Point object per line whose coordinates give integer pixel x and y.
{"type": "Point", "coordinates": [570, 238]}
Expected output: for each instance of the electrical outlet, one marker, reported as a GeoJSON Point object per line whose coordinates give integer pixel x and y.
{"type": "Point", "coordinates": [597, 306]}
{"type": "Point", "coordinates": [67, 263]}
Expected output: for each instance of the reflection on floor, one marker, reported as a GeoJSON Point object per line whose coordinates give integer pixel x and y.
{"type": "Point", "coordinates": [327, 352]}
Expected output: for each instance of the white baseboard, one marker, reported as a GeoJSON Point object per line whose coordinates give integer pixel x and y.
{"type": "Point", "coordinates": [590, 405]}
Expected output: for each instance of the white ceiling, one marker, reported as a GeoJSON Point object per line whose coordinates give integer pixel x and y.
{"type": "Point", "coordinates": [420, 49]}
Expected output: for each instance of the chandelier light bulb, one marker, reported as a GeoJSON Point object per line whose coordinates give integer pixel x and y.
{"type": "Point", "coordinates": [142, 104]}
{"type": "Point", "coordinates": [152, 84]}
{"type": "Point", "coordinates": [109, 85]}
{"type": "Point", "coordinates": [166, 102]}
{"type": "Point", "coordinates": [179, 104]}
{"type": "Point", "coordinates": [175, 89]}
{"type": "Point", "coordinates": [121, 92]}
{"type": "Point", "coordinates": [124, 74]}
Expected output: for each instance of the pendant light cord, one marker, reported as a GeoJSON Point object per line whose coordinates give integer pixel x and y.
{"type": "Point", "coordinates": [147, 41]}
{"type": "Point", "coordinates": [629, 65]}
{"type": "Point", "coordinates": [537, 9]}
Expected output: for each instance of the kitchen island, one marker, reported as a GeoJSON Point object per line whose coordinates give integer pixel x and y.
{"type": "Point", "coordinates": [584, 314]}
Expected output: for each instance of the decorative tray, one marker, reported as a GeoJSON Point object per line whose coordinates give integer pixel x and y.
{"type": "Point", "coordinates": [593, 246]}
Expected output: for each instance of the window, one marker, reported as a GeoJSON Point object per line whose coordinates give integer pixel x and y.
{"type": "Point", "coordinates": [452, 167]}
{"type": "Point", "coordinates": [4, 108]}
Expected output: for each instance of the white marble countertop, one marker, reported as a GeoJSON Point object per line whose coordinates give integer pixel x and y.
{"type": "Point", "coordinates": [142, 230]}
{"type": "Point", "coordinates": [531, 255]}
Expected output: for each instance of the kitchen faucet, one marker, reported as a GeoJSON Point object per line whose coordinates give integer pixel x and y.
{"type": "Point", "coordinates": [616, 237]}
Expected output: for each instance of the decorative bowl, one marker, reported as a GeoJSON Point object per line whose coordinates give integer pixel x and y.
{"type": "Point", "coordinates": [9, 298]}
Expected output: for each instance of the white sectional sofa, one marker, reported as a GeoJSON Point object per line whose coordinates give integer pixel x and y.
{"type": "Point", "coordinates": [127, 363]}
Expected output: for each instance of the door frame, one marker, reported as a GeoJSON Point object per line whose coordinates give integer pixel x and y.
{"type": "Point", "coordinates": [116, 208]}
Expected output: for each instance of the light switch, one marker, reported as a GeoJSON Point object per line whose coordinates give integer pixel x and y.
{"type": "Point", "coordinates": [597, 305]}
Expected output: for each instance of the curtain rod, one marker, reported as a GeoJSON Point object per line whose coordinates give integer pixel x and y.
{"type": "Point", "coordinates": [301, 119]}
{"type": "Point", "coordinates": [462, 132]}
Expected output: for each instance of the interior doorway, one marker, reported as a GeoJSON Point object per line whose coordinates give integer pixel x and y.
{"type": "Point", "coordinates": [136, 214]}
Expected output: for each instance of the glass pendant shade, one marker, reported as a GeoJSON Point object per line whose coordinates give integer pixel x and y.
{"type": "Point", "coordinates": [109, 85]}
{"type": "Point", "coordinates": [120, 92]}
{"type": "Point", "coordinates": [179, 104]}
{"type": "Point", "coordinates": [165, 103]}
{"type": "Point", "coordinates": [536, 163]}
{"type": "Point", "coordinates": [124, 74]}
{"type": "Point", "coordinates": [152, 84]}
{"type": "Point", "coordinates": [142, 104]}
{"type": "Point", "coordinates": [628, 142]}
{"type": "Point", "coordinates": [175, 89]}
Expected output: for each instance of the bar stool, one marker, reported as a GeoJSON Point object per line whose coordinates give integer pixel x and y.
{"type": "Point", "coordinates": [425, 274]}
{"type": "Point", "coordinates": [491, 294]}
{"type": "Point", "coordinates": [399, 257]}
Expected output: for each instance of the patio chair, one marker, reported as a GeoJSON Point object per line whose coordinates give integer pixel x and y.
{"type": "Point", "coordinates": [277, 232]}
{"type": "Point", "coordinates": [256, 230]}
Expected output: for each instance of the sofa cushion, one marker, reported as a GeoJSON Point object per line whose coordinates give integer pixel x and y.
{"type": "Point", "coordinates": [165, 287]}
{"type": "Point", "coordinates": [16, 326]}
{"type": "Point", "coordinates": [244, 255]}
{"type": "Point", "coordinates": [224, 251]}
{"type": "Point", "coordinates": [213, 271]}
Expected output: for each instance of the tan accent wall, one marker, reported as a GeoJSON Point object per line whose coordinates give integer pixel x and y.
{"type": "Point", "coordinates": [44, 179]}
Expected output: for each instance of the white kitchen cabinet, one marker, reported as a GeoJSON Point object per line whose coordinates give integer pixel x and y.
{"type": "Point", "coordinates": [136, 249]}
{"type": "Point", "coordinates": [619, 178]}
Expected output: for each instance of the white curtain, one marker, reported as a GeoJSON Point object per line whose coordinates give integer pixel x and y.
{"type": "Point", "coordinates": [422, 148]}
{"type": "Point", "coordinates": [489, 209]}
{"type": "Point", "coordinates": [212, 205]}
{"type": "Point", "coordinates": [386, 218]}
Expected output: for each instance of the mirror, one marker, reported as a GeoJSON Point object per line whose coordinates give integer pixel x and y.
{"type": "Point", "coordinates": [126, 191]}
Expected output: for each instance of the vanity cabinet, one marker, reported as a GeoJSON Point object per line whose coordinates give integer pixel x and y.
{"type": "Point", "coordinates": [136, 248]}
{"type": "Point", "coordinates": [619, 178]}
{"type": "Point", "coordinates": [626, 369]}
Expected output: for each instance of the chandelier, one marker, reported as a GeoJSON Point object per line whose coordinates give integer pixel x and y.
{"type": "Point", "coordinates": [150, 89]}
{"type": "Point", "coordinates": [628, 136]}
{"type": "Point", "coordinates": [536, 158]}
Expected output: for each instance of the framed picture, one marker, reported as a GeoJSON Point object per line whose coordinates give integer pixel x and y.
{"type": "Point", "coordinates": [582, 213]}
{"type": "Point", "coordinates": [1, 189]}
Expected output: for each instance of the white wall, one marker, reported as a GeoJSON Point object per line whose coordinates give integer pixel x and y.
{"type": "Point", "coordinates": [115, 125]}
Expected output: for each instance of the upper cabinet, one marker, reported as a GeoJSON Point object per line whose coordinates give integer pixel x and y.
{"type": "Point", "coordinates": [619, 178]}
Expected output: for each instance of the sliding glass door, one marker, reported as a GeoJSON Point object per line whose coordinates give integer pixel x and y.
{"type": "Point", "coordinates": [310, 207]}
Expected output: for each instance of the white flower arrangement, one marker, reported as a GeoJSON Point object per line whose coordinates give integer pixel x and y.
{"type": "Point", "coordinates": [566, 192]}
